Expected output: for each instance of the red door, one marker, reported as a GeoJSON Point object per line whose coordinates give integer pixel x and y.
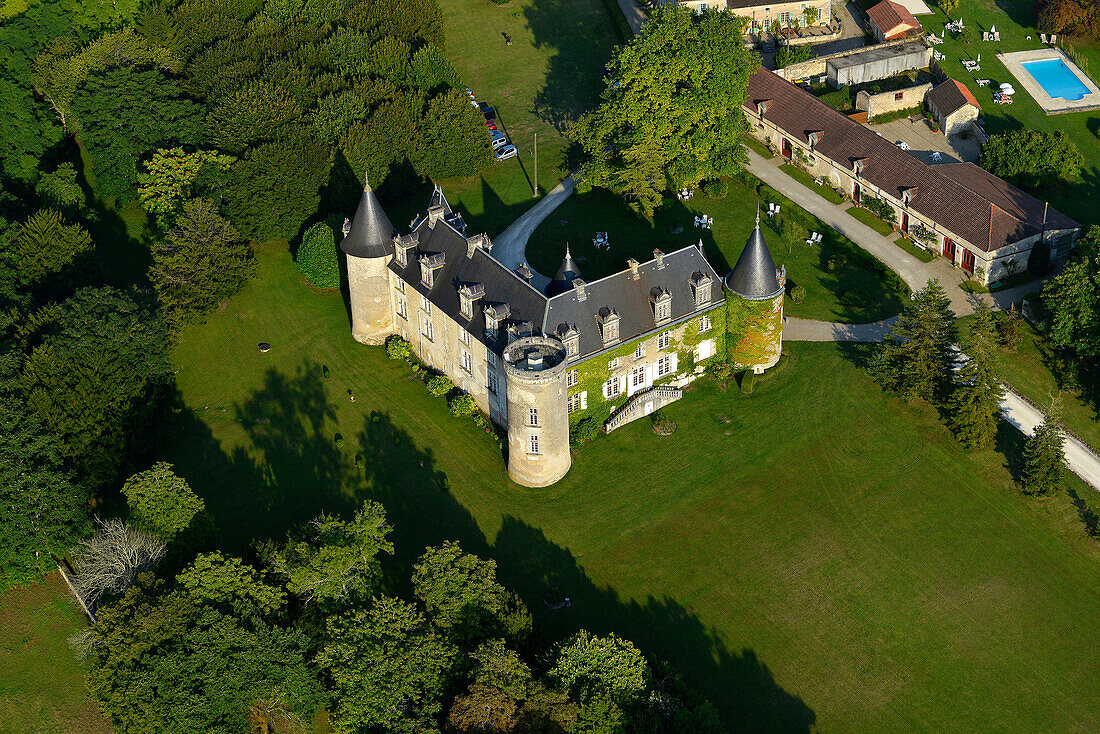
{"type": "Point", "coordinates": [949, 249]}
{"type": "Point", "coordinates": [905, 222]}
{"type": "Point", "coordinates": [786, 149]}
{"type": "Point", "coordinates": [968, 261]}
{"type": "Point", "coordinates": [855, 191]}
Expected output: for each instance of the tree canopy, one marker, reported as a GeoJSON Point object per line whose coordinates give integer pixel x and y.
{"type": "Point", "coordinates": [671, 112]}
{"type": "Point", "coordinates": [161, 502]}
{"type": "Point", "coordinates": [1032, 157]}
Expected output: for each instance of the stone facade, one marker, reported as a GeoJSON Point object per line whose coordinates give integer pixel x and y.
{"type": "Point", "coordinates": [535, 362]}
{"type": "Point", "coordinates": [886, 102]}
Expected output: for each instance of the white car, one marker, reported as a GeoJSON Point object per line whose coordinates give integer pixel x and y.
{"type": "Point", "coordinates": [508, 151]}
{"type": "Point", "coordinates": [498, 138]}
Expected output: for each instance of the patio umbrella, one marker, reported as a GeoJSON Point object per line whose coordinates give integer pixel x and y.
{"type": "Point", "coordinates": [979, 58]}
{"type": "Point", "coordinates": [1006, 85]}
{"type": "Point", "coordinates": [992, 29]}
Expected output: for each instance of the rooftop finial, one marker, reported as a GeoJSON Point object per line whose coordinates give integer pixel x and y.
{"type": "Point", "coordinates": [758, 213]}
{"type": "Point", "coordinates": [366, 182]}
{"type": "Point", "coordinates": [567, 248]}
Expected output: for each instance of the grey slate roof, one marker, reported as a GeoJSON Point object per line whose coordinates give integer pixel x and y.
{"type": "Point", "coordinates": [525, 303]}
{"type": "Point", "coordinates": [563, 279]}
{"type": "Point", "coordinates": [753, 277]}
{"type": "Point", "coordinates": [371, 233]}
{"type": "Point", "coordinates": [631, 299]}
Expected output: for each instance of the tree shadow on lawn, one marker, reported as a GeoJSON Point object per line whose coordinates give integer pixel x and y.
{"type": "Point", "coordinates": [296, 470]}
{"type": "Point", "coordinates": [574, 75]}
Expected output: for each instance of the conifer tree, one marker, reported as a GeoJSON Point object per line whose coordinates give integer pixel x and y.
{"type": "Point", "coordinates": [976, 400]}
{"type": "Point", "coordinates": [916, 359]}
{"type": "Point", "coordinates": [1044, 455]}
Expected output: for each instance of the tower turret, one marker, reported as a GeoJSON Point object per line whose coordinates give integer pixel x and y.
{"type": "Point", "coordinates": [761, 286]}
{"type": "Point", "coordinates": [368, 245]}
{"type": "Point", "coordinates": [538, 416]}
{"type": "Point", "coordinates": [563, 279]}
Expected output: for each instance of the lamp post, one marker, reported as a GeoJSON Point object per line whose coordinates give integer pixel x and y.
{"type": "Point", "coordinates": [535, 189]}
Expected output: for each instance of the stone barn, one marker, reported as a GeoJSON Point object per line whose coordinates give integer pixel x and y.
{"type": "Point", "coordinates": [953, 107]}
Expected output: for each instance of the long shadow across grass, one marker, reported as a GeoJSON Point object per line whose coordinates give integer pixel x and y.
{"type": "Point", "coordinates": [296, 470]}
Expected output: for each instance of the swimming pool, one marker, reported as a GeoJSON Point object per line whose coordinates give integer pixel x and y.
{"type": "Point", "coordinates": [1056, 79]}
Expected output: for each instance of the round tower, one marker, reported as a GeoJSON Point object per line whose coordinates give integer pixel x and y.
{"type": "Point", "coordinates": [368, 245]}
{"type": "Point", "coordinates": [538, 417]}
{"type": "Point", "coordinates": [756, 280]}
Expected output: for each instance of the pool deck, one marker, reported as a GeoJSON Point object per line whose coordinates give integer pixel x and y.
{"type": "Point", "coordinates": [1051, 105]}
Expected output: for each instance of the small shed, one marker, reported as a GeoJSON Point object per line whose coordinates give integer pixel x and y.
{"type": "Point", "coordinates": [891, 20]}
{"type": "Point", "coordinates": [953, 106]}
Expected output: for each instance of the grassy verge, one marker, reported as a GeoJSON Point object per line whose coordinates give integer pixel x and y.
{"type": "Point", "coordinates": [712, 552]}
{"type": "Point", "coordinates": [973, 286]}
{"type": "Point", "coordinates": [825, 192]}
{"type": "Point", "coordinates": [842, 281]}
{"type": "Point", "coordinates": [918, 252]}
{"type": "Point", "coordinates": [1015, 280]}
{"type": "Point", "coordinates": [41, 681]}
{"type": "Point", "coordinates": [870, 220]}
{"type": "Point", "coordinates": [758, 147]}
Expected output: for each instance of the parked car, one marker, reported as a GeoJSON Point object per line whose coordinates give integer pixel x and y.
{"type": "Point", "coordinates": [488, 110]}
{"type": "Point", "coordinates": [508, 151]}
{"type": "Point", "coordinates": [491, 124]}
{"type": "Point", "coordinates": [498, 138]}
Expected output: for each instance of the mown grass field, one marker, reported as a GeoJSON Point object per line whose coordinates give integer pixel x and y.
{"type": "Point", "coordinates": [816, 553]}
{"type": "Point", "coordinates": [838, 288]}
{"type": "Point", "coordinates": [41, 681]}
{"type": "Point", "coordinates": [1015, 20]}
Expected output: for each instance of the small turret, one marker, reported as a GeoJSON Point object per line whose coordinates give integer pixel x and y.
{"type": "Point", "coordinates": [567, 273]}
{"type": "Point", "coordinates": [756, 279]}
{"type": "Point", "coordinates": [368, 245]}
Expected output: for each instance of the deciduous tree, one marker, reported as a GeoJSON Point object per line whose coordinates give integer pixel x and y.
{"type": "Point", "coordinates": [460, 592]}
{"type": "Point", "coordinates": [109, 562]}
{"type": "Point", "coordinates": [173, 176]}
{"type": "Point", "coordinates": [1072, 299]}
{"type": "Point", "coordinates": [1032, 157]}
{"type": "Point", "coordinates": [229, 584]}
{"type": "Point", "coordinates": [161, 502]}
{"type": "Point", "coordinates": [610, 664]}
{"type": "Point", "coordinates": [673, 96]}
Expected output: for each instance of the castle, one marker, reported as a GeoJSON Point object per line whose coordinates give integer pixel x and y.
{"type": "Point", "coordinates": [540, 360]}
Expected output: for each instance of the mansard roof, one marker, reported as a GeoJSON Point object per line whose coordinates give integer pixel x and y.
{"type": "Point", "coordinates": [371, 233]}
{"type": "Point", "coordinates": [501, 286]}
{"type": "Point", "coordinates": [630, 299]}
{"type": "Point", "coordinates": [753, 277]}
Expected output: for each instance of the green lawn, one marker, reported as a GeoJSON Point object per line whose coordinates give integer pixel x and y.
{"type": "Point", "coordinates": [1015, 21]}
{"type": "Point", "coordinates": [41, 681]}
{"type": "Point", "coordinates": [825, 192]}
{"type": "Point", "coordinates": [871, 220]}
{"type": "Point", "coordinates": [918, 252]}
{"type": "Point", "coordinates": [815, 553]}
{"type": "Point", "coordinates": [838, 276]}
{"type": "Point", "coordinates": [552, 72]}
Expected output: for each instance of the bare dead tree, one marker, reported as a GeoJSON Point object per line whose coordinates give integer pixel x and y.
{"type": "Point", "coordinates": [109, 562]}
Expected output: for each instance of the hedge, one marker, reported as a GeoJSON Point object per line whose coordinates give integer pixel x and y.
{"type": "Point", "coordinates": [317, 257]}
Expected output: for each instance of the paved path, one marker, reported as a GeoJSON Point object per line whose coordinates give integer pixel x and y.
{"type": "Point", "coordinates": [1080, 459]}
{"type": "Point", "coordinates": [635, 16]}
{"type": "Point", "coordinates": [510, 246]}
{"type": "Point", "coordinates": [914, 272]}
{"type": "Point", "coordinates": [808, 330]}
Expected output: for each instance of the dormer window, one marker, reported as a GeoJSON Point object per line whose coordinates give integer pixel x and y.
{"type": "Point", "coordinates": [700, 288]}
{"type": "Point", "coordinates": [608, 320]}
{"type": "Point", "coordinates": [436, 212]}
{"type": "Point", "coordinates": [495, 314]}
{"type": "Point", "coordinates": [429, 264]}
{"type": "Point", "coordinates": [814, 138]}
{"type": "Point", "coordinates": [762, 107]}
{"type": "Point", "coordinates": [571, 337]}
{"type": "Point", "coordinates": [907, 195]}
{"type": "Point", "coordinates": [403, 244]}
{"type": "Point", "coordinates": [857, 165]}
{"type": "Point", "coordinates": [661, 302]}
{"type": "Point", "coordinates": [478, 242]}
{"type": "Point", "coordinates": [467, 294]}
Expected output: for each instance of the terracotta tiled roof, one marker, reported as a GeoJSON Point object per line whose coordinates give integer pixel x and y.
{"type": "Point", "coordinates": [889, 15]}
{"type": "Point", "coordinates": [973, 204]}
{"type": "Point", "coordinates": [950, 96]}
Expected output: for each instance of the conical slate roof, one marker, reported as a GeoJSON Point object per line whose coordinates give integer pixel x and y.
{"type": "Point", "coordinates": [371, 233]}
{"type": "Point", "coordinates": [567, 273]}
{"type": "Point", "coordinates": [753, 277]}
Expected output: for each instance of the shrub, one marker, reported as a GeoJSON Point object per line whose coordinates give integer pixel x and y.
{"type": "Point", "coordinates": [583, 431]}
{"type": "Point", "coordinates": [462, 405]}
{"type": "Point", "coordinates": [792, 231]}
{"type": "Point", "coordinates": [879, 208]}
{"type": "Point", "coordinates": [397, 348]}
{"type": "Point", "coordinates": [716, 188]}
{"type": "Point", "coordinates": [747, 378]}
{"type": "Point", "coordinates": [798, 294]}
{"type": "Point", "coordinates": [788, 55]}
{"type": "Point", "coordinates": [439, 385]}
{"type": "Point", "coordinates": [317, 258]}
{"type": "Point", "coordinates": [663, 425]}
{"type": "Point", "coordinates": [1032, 157]}
{"type": "Point", "coordinates": [720, 370]}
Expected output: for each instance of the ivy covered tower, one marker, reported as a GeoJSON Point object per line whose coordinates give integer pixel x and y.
{"type": "Point", "coordinates": [756, 289]}
{"type": "Point", "coordinates": [368, 245]}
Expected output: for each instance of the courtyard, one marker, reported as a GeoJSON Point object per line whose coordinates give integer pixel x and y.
{"type": "Point", "coordinates": [923, 141]}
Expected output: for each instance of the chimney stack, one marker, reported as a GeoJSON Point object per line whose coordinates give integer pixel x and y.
{"type": "Point", "coordinates": [633, 264]}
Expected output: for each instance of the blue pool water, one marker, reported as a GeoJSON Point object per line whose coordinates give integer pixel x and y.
{"type": "Point", "coordinates": [1057, 79]}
